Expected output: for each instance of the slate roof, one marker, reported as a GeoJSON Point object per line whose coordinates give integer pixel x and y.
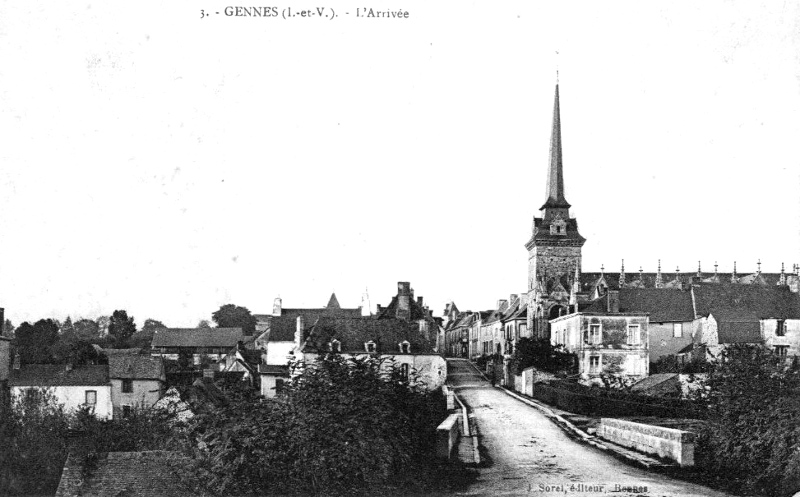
{"type": "Point", "coordinates": [198, 337]}
{"type": "Point", "coordinates": [143, 474]}
{"type": "Point", "coordinates": [354, 333]}
{"type": "Point", "coordinates": [739, 331]}
{"type": "Point", "coordinates": [56, 375]}
{"type": "Point", "coordinates": [417, 311]}
{"type": "Point", "coordinates": [282, 329]}
{"type": "Point", "coordinates": [135, 367]}
{"type": "Point", "coordinates": [663, 305]}
{"type": "Point", "coordinates": [746, 303]}
{"type": "Point", "coordinates": [541, 233]}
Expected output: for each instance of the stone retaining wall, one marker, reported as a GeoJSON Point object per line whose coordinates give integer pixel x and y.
{"type": "Point", "coordinates": [668, 443]}
{"type": "Point", "coordinates": [447, 436]}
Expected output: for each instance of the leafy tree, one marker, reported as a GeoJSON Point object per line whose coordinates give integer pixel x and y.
{"type": "Point", "coordinates": [144, 337]}
{"type": "Point", "coordinates": [204, 323]}
{"type": "Point", "coordinates": [754, 439]}
{"type": "Point", "coordinates": [34, 449]}
{"type": "Point", "coordinates": [70, 348]}
{"type": "Point", "coordinates": [87, 330]}
{"type": "Point", "coordinates": [233, 316]}
{"type": "Point", "coordinates": [543, 355]}
{"type": "Point", "coordinates": [67, 326]}
{"type": "Point", "coordinates": [121, 328]}
{"type": "Point", "coordinates": [343, 427]}
{"type": "Point", "coordinates": [34, 342]}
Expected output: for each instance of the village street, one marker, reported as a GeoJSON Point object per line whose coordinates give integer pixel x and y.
{"type": "Point", "coordinates": [525, 453]}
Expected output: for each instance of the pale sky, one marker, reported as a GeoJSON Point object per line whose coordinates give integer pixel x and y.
{"type": "Point", "coordinates": [165, 164]}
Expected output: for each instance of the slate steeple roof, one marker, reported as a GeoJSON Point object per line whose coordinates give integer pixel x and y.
{"type": "Point", "coordinates": [555, 173]}
{"type": "Point", "coordinates": [333, 302]}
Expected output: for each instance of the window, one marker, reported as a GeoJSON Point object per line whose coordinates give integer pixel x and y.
{"type": "Point", "coordinates": [370, 347]}
{"type": "Point", "coordinates": [594, 364]}
{"type": "Point", "coordinates": [633, 334]}
{"type": "Point", "coordinates": [335, 346]}
{"type": "Point", "coordinates": [127, 386]}
{"type": "Point", "coordinates": [405, 347]}
{"type": "Point", "coordinates": [595, 334]}
{"type": "Point", "coordinates": [91, 397]}
{"type": "Point", "coordinates": [781, 329]}
{"type": "Point", "coordinates": [404, 371]}
{"type": "Point", "coordinates": [126, 411]}
{"type": "Point", "coordinates": [781, 350]}
{"type": "Point", "coordinates": [677, 330]}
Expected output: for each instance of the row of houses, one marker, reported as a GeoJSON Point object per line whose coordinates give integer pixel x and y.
{"type": "Point", "coordinates": [626, 329]}
{"type": "Point", "coordinates": [404, 333]}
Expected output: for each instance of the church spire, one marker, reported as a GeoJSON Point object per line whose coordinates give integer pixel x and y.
{"type": "Point", "coordinates": [555, 172]}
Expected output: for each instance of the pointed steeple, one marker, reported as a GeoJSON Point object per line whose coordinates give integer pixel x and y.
{"type": "Point", "coordinates": [333, 303]}
{"type": "Point", "coordinates": [699, 271]}
{"type": "Point", "coordinates": [734, 278]}
{"type": "Point", "coordinates": [622, 275]}
{"type": "Point", "coordinates": [555, 172]}
{"type": "Point", "coordinates": [782, 280]}
{"type": "Point", "coordinates": [659, 278]}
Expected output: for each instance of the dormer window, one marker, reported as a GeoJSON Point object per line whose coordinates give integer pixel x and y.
{"type": "Point", "coordinates": [335, 346]}
{"type": "Point", "coordinates": [405, 347]}
{"type": "Point", "coordinates": [370, 347]}
{"type": "Point", "coordinates": [558, 227]}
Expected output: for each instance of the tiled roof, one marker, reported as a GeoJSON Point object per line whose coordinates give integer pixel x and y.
{"type": "Point", "coordinates": [57, 375]}
{"type": "Point", "coordinates": [110, 352]}
{"type": "Point", "coordinates": [143, 474]}
{"type": "Point", "coordinates": [198, 337]}
{"type": "Point", "coordinates": [352, 334]}
{"type": "Point", "coordinates": [135, 367]}
{"type": "Point", "coordinates": [746, 303]}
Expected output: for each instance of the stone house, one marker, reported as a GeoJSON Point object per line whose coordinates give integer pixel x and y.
{"type": "Point", "coordinates": [406, 343]}
{"type": "Point", "coordinates": [610, 342]}
{"type": "Point", "coordinates": [137, 382]}
{"type": "Point", "coordinates": [73, 387]}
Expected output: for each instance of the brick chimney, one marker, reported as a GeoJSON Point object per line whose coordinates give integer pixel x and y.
{"type": "Point", "coordinates": [404, 296]}
{"type": "Point", "coordinates": [501, 303]}
{"type": "Point", "coordinates": [276, 307]}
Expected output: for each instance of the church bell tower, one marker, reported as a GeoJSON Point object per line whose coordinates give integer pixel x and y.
{"type": "Point", "coordinates": [554, 250]}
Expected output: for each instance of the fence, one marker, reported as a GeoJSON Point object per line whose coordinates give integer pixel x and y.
{"type": "Point", "coordinates": [597, 405]}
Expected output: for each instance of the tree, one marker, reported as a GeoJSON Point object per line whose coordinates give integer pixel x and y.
{"type": "Point", "coordinates": [121, 328]}
{"type": "Point", "coordinates": [34, 342]}
{"type": "Point", "coordinates": [543, 355]}
{"type": "Point", "coordinates": [67, 326]}
{"type": "Point", "coordinates": [754, 436]}
{"type": "Point", "coordinates": [87, 330]}
{"type": "Point", "coordinates": [144, 337]}
{"type": "Point", "coordinates": [204, 324]}
{"type": "Point", "coordinates": [233, 316]}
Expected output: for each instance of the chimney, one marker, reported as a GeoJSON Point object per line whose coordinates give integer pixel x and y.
{"type": "Point", "coordinates": [419, 301]}
{"type": "Point", "coordinates": [298, 333]}
{"type": "Point", "coordinates": [513, 297]}
{"type": "Point", "coordinates": [613, 301]}
{"type": "Point", "coordinates": [404, 296]}
{"type": "Point", "coordinates": [276, 307]}
{"type": "Point", "coordinates": [501, 303]}
{"type": "Point", "coordinates": [403, 288]}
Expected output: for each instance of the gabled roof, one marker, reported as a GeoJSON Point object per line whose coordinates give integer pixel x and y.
{"type": "Point", "coordinates": [198, 337]}
{"type": "Point", "coordinates": [57, 375]}
{"type": "Point", "coordinates": [145, 474]}
{"type": "Point", "coordinates": [135, 367]}
{"type": "Point", "coordinates": [352, 334]}
{"type": "Point", "coordinates": [663, 305]}
{"type": "Point", "coordinates": [746, 303]}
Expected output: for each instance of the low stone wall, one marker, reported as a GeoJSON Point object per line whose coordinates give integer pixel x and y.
{"type": "Point", "coordinates": [668, 443]}
{"type": "Point", "coordinates": [449, 397]}
{"type": "Point", "coordinates": [447, 436]}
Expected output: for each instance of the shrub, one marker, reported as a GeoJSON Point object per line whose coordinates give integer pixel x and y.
{"type": "Point", "coordinates": [543, 355]}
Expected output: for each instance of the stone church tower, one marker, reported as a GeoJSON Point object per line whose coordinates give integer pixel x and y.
{"type": "Point", "coordinates": [554, 250]}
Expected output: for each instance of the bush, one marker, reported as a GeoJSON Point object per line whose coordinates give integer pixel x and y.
{"type": "Point", "coordinates": [754, 437]}
{"type": "Point", "coordinates": [344, 426]}
{"type": "Point", "coordinates": [542, 355]}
